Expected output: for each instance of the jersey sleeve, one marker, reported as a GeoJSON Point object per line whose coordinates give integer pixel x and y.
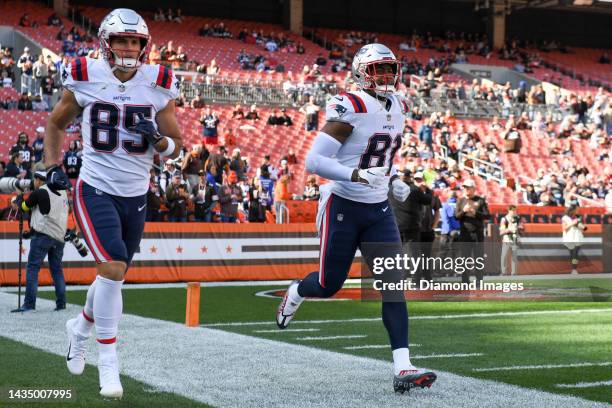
{"type": "Point", "coordinates": [74, 75]}
{"type": "Point", "coordinates": [340, 109]}
{"type": "Point", "coordinates": [167, 83]}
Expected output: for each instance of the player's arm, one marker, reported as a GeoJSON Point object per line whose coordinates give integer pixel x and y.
{"type": "Point", "coordinates": [168, 127]}
{"type": "Point", "coordinates": [66, 110]}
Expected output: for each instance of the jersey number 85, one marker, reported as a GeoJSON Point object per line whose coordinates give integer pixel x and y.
{"type": "Point", "coordinates": [105, 121]}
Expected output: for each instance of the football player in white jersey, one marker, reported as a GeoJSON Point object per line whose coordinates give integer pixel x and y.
{"type": "Point", "coordinates": [355, 150]}
{"type": "Point", "coordinates": [128, 115]}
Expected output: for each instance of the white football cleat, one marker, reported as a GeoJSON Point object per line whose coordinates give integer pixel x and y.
{"type": "Point", "coordinates": [110, 384]}
{"type": "Point", "coordinates": [287, 308]}
{"type": "Point", "coordinates": [411, 378]}
{"type": "Point", "coordinates": [77, 345]}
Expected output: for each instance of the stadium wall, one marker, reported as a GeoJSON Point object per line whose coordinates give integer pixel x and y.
{"type": "Point", "coordinates": [179, 252]}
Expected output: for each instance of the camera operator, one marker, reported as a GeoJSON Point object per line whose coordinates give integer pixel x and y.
{"type": "Point", "coordinates": [573, 234]}
{"type": "Point", "coordinates": [47, 231]}
{"type": "Point", "coordinates": [471, 211]}
{"type": "Point", "coordinates": [510, 229]}
{"type": "Point", "coordinates": [409, 214]}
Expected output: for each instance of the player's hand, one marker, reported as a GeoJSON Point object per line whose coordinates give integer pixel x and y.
{"type": "Point", "coordinates": [400, 190]}
{"type": "Point", "coordinates": [147, 129]}
{"type": "Point", "coordinates": [57, 179]}
{"type": "Point", "coordinates": [374, 176]}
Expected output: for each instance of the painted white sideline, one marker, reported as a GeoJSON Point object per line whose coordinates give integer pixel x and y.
{"type": "Point", "coordinates": [544, 366]}
{"type": "Point", "coordinates": [375, 346]}
{"type": "Point", "coordinates": [455, 355]}
{"type": "Point", "coordinates": [585, 384]}
{"type": "Point", "coordinates": [226, 369]}
{"type": "Point", "coordinates": [278, 331]}
{"type": "Point", "coordinates": [424, 317]}
{"type": "Point", "coordinates": [323, 338]}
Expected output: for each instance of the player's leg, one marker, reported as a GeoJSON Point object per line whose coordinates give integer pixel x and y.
{"type": "Point", "coordinates": [338, 235]}
{"type": "Point", "coordinates": [383, 229]}
{"type": "Point", "coordinates": [99, 219]}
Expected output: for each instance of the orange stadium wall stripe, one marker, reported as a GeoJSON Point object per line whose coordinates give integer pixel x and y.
{"type": "Point", "coordinates": [200, 252]}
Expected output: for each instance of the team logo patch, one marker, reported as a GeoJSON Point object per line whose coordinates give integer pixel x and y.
{"type": "Point", "coordinates": [340, 217]}
{"type": "Point", "coordinates": [339, 108]}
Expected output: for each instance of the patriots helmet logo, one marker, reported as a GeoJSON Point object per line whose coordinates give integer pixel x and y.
{"type": "Point", "coordinates": [339, 108]}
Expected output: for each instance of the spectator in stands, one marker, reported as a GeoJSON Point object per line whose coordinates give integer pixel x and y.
{"type": "Point", "coordinates": [11, 212]}
{"type": "Point", "coordinates": [450, 225]}
{"type": "Point", "coordinates": [238, 113]}
{"type": "Point", "coordinates": [154, 55]}
{"type": "Point", "coordinates": [54, 20]}
{"type": "Point", "coordinates": [426, 134]}
{"type": "Point", "coordinates": [284, 118]}
{"type": "Point", "coordinates": [47, 90]}
{"type": "Point", "coordinates": [311, 110]}
{"type": "Point", "coordinates": [155, 198]}
{"type": "Point", "coordinates": [210, 122]}
{"type": "Point", "coordinates": [300, 49]}
{"type": "Point", "coordinates": [177, 199]}
{"type": "Point", "coordinates": [267, 188]}
{"type": "Point", "coordinates": [252, 114]}
{"type": "Point", "coordinates": [15, 167]}
{"type": "Point", "coordinates": [311, 190]}
{"type": "Point", "coordinates": [510, 229]}
{"type": "Point", "coordinates": [38, 144]}
{"type": "Point", "coordinates": [7, 82]}
{"type": "Point", "coordinates": [193, 163]}
{"type": "Point", "coordinates": [24, 103]}
{"type": "Point", "coordinates": [72, 161]}
{"type": "Point", "coordinates": [213, 68]}
{"type": "Point", "coordinates": [40, 72]}
{"type": "Point", "coordinates": [604, 59]}
{"type": "Point", "coordinates": [179, 59]}
{"type": "Point", "coordinates": [274, 118]}
{"type": "Point", "coordinates": [530, 196]}
{"type": "Point", "coordinates": [159, 15]}
{"type": "Point", "coordinates": [198, 102]}
{"type": "Point", "coordinates": [281, 196]}
{"type": "Point", "coordinates": [204, 198]}
{"type": "Point", "coordinates": [25, 21]}
{"type": "Point", "coordinates": [39, 104]}
{"type": "Point", "coordinates": [573, 235]}
{"type": "Point", "coordinates": [24, 149]}
{"type": "Point", "coordinates": [238, 165]}
{"type": "Point", "coordinates": [512, 140]}
{"type": "Point", "coordinates": [257, 210]}
{"type": "Point", "coordinates": [26, 63]}
{"type": "Point", "coordinates": [230, 195]}
{"type": "Point", "coordinates": [271, 45]}
{"type": "Point", "coordinates": [217, 165]}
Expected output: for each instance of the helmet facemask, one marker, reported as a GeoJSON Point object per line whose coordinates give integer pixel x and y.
{"type": "Point", "coordinates": [125, 64]}
{"type": "Point", "coordinates": [381, 77]}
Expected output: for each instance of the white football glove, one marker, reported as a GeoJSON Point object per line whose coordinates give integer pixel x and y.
{"type": "Point", "coordinates": [374, 176]}
{"type": "Point", "coordinates": [400, 190]}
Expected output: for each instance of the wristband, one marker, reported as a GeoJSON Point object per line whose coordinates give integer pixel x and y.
{"type": "Point", "coordinates": [170, 149]}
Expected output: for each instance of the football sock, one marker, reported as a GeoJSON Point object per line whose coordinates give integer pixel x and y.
{"type": "Point", "coordinates": [401, 360]}
{"type": "Point", "coordinates": [85, 320]}
{"type": "Point", "coordinates": [395, 319]}
{"type": "Point", "coordinates": [108, 306]}
{"type": "Point", "coordinates": [293, 295]}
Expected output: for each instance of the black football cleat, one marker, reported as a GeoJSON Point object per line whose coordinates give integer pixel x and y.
{"type": "Point", "coordinates": [413, 378]}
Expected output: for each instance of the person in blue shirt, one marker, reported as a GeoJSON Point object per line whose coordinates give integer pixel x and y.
{"type": "Point", "coordinates": [426, 134]}
{"type": "Point", "coordinates": [450, 224]}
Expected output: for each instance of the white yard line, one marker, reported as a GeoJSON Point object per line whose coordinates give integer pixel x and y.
{"type": "Point", "coordinates": [425, 317]}
{"type": "Point", "coordinates": [323, 338]}
{"type": "Point", "coordinates": [585, 384]}
{"type": "Point", "coordinates": [278, 331]}
{"type": "Point", "coordinates": [232, 370]}
{"type": "Point", "coordinates": [456, 355]}
{"type": "Point", "coordinates": [374, 346]}
{"type": "Point", "coordinates": [544, 366]}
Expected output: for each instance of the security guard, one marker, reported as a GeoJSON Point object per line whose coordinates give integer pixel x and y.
{"type": "Point", "coordinates": [48, 223]}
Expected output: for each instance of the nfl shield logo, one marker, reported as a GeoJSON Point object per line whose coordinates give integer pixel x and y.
{"type": "Point", "coordinates": [388, 118]}
{"type": "Point", "coordinates": [340, 217]}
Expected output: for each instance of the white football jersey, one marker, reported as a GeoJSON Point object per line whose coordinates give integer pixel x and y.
{"type": "Point", "coordinates": [116, 160]}
{"type": "Point", "coordinates": [376, 137]}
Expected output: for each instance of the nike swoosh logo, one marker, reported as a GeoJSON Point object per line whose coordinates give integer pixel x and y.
{"type": "Point", "coordinates": [68, 358]}
{"type": "Point", "coordinates": [385, 209]}
{"type": "Point", "coordinates": [339, 98]}
{"type": "Point", "coordinates": [141, 208]}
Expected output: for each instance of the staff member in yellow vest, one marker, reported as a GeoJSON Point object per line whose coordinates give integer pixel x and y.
{"type": "Point", "coordinates": [48, 223]}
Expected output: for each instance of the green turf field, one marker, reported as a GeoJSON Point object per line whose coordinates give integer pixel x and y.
{"type": "Point", "coordinates": [31, 368]}
{"type": "Point", "coordinates": [473, 342]}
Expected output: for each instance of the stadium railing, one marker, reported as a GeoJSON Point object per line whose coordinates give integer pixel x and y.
{"type": "Point", "coordinates": [482, 168]}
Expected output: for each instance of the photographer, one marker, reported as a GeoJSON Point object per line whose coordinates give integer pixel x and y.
{"type": "Point", "coordinates": [177, 199]}
{"type": "Point", "coordinates": [573, 234]}
{"type": "Point", "coordinates": [471, 211]}
{"type": "Point", "coordinates": [204, 198]}
{"type": "Point", "coordinates": [510, 229]}
{"type": "Point", "coordinates": [47, 230]}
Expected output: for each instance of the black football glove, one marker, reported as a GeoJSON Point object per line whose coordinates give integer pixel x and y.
{"type": "Point", "coordinates": [57, 179]}
{"type": "Point", "coordinates": [147, 129]}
